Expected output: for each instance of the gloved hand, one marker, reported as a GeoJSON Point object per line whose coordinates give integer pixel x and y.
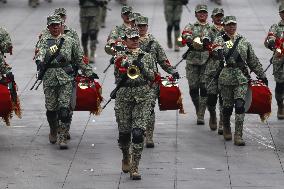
{"type": "Point", "coordinates": [271, 45]}
{"type": "Point", "coordinates": [10, 76]}
{"type": "Point", "coordinates": [140, 64]}
{"type": "Point", "coordinates": [206, 43]}
{"type": "Point", "coordinates": [264, 80]}
{"type": "Point", "coordinates": [176, 75]}
{"type": "Point", "coordinates": [39, 65]}
{"type": "Point", "coordinates": [94, 76]}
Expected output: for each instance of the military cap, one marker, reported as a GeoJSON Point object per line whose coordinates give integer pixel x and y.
{"type": "Point", "coordinates": [217, 11]}
{"type": "Point", "coordinates": [133, 16]}
{"type": "Point", "coordinates": [126, 9]}
{"type": "Point", "coordinates": [229, 19]}
{"type": "Point", "coordinates": [59, 11]}
{"type": "Point", "coordinates": [54, 19]}
{"type": "Point", "coordinates": [141, 20]}
{"type": "Point", "coordinates": [132, 32]}
{"type": "Point", "coordinates": [201, 8]}
{"type": "Point", "coordinates": [281, 7]}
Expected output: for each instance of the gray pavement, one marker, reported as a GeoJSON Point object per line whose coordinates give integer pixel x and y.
{"type": "Point", "coordinates": [185, 155]}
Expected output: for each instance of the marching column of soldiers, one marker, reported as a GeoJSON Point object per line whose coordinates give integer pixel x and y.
{"type": "Point", "coordinates": [219, 61]}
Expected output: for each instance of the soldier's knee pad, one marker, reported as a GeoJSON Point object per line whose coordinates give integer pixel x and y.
{"type": "Point", "coordinates": [93, 34]}
{"type": "Point", "coordinates": [279, 88]}
{"type": "Point", "coordinates": [227, 111]}
{"type": "Point", "coordinates": [212, 100]}
{"type": "Point", "coordinates": [176, 25]}
{"type": "Point", "coordinates": [84, 38]}
{"type": "Point", "coordinates": [124, 138]}
{"type": "Point", "coordinates": [137, 135]}
{"type": "Point", "coordinates": [52, 115]}
{"type": "Point", "coordinates": [64, 115]}
{"type": "Point", "coordinates": [239, 106]}
{"type": "Point", "coordinates": [203, 92]}
{"type": "Point", "coordinates": [194, 93]}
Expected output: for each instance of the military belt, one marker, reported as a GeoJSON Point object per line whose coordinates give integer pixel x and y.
{"type": "Point", "coordinates": [60, 65]}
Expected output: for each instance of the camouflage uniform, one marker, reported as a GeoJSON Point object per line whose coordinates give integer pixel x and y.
{"type": "Point", "coordinates": [196, 61]}
{"type": "Point", "coordinates": [104, 14]}
{"type": "Point", "coordinates": [5, 47]}
{"type": "Point", "coordinates": [211, 80]}
{"type": "Point", "coordinates": [90, 12]}
{"type": "Point", "coordinates": [58, 78]}
{"type": "Point", "coordinates": [276, 33]}
{"type": "Point", "coordinates": [150, 45]}
{"type": "Point", "coordinates": [233, 80]}
{"type": "Point", "coordinates": [118, 32]}
{"type": "Point", "coordinates": [133, 104]}
{"type": "Point", "coordinates": [173, 11]}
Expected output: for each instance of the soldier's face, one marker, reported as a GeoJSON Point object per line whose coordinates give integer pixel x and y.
{"type": "Point", "coordinates": [217, 19]}
{"type": "Point", "coordinates": [143, 28]}
{"type": "Point", "coordinates": [281, 15]}
{"type": "Point", "coordinates": [201, 16]}
{"type": "Point", "coordinates": [125, 17]}
{"type": "Point", "coordinates": [230, 28]}
{"type": "Point", "coordinates": [132, 43]}
{"type": "Point", "coordinates": [55, 29]}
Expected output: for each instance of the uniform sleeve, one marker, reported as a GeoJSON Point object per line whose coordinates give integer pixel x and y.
{"type": "Point", "coordinates": [254, 63]}
{"type": "Point", "coordinates": [4, 68]}
{"type": "Point", "coordinates": [41, 50]}
{"type": "Point", "coordinates": [148, 67]}
{"type": "Point", "coordinates": [78, 60]}
{"type": "Point", "coordinates": [162, 59]}
{"type": "Point", "coordinates": [186, 35]}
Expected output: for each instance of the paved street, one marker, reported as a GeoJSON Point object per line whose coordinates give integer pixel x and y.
{"type": "Point", "coordinates": [186, 156]}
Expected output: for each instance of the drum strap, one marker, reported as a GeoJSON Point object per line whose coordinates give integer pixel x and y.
{"type": "Point", "coordinates": [231, 51]}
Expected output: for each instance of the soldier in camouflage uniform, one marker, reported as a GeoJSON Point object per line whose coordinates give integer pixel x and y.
{"type": "Point", "coordinates": [211, 70]}
{"type": "Point", "coordinates": [90, 21]}
{"type": "Point", "coordinates": [149, 44]}
{"type": "Point", "coordinates": [119, 31]}
{"type": "Point", "coordinates": [276, 33]}
{"type": "Point", "coordinates": [133, 102]}
{"type": "Point", "coordinates": [132, 18]}
{"type": "Point", "coordinates": [234, 77]}
{"type": "Point", "coordinates": [173, 11]}
{"type": "Point", "coordinates": [58, 77]}
{"type": "Point", "coordinates": [196, 60]}
{"type": "Point", "coordinates": [5, 47]}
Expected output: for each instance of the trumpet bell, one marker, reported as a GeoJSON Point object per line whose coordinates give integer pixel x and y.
{"type": "Point", "coordinates": [133, 72]}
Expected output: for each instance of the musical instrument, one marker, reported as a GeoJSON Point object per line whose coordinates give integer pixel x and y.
{"type": "Point", "coordinates": [258, 99]}
{"type": "Point", "coordinates": [133, 72]}
{"type": "Point", "coordinates": [88, 95]}
{"type": "Point", "coordinates": [7, 105]}
{"type": "Point", "coordinates": [170, 96]}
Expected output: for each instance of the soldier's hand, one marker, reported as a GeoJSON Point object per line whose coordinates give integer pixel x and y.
{"type": "Point", "coordinates": [206, 43]}
{"type": "Point", "coordinates": [94, 76]}
{"type": "Point", "coordinates": [10, 76]}
{"type": "Point", "coordinates": [140, 64]}
{"type": "Point", "coordinates": [271, 45]}
{"type": "Point", "coordinates": [176, 75]}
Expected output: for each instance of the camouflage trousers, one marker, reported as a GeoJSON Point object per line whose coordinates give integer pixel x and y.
{"type": "Point", "coordinates": [151, 126]}
{"type": "Point", "coordinates": [132, 113]}
{"type": "Point", "coordinates": [173, 12]}
{"type": "Point", "coordinates": [230, 93]}
{"type": "Point", "coordinates": [57, 97]}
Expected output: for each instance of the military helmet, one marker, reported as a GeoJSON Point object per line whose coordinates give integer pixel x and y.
{"type": "Point", "coordinates": [126, 9]}
{"type": "Point", "coordinates": [131, 33]}
{"type": "Point", "coordinates": [60, 11]}
{"type": "Point", "coordinates": [133, 16]}
{"type": "Point", "coordinates": [229, 19]}
{"type": "Point", "coordinates": [217, 11]}
{"type": "Point", "coordinates": [141, 20]}
{"type": "Point", "coordinates": [54, 19]}
{"type": "Point", "coordinates": [201, 7]}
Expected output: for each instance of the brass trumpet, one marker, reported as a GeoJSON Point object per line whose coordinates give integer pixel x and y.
{"type": "Point", "coordinates": [133, 72]}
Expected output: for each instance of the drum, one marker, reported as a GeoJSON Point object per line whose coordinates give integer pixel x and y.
{"type": "Point", "coordinates": [88, 95]}
{"type": "Point", "coordinates": [258, 99]}
{"type": "Point", "coordinates": [170, 96]}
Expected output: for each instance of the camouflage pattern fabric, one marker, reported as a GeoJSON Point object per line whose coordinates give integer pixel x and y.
{"type": "Point", "coordinates": [233, 75]}
{"type": "Point", "coordinates": [173, 11]}
{"type": "Point", "coordinates": [276, 32]}
{"type": "Point", "coordinates": [133, 100]}
{"type": "Point", "coordinates": [230, 93]}
{"type": "Point", "coordinates": [5, 40]}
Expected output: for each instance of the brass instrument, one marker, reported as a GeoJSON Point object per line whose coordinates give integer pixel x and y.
{"type": "Point", "coordinates": [133, 72]}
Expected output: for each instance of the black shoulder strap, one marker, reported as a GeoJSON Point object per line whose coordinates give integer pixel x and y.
{"type": "Point", "coordinates": [148, 47]}
{"type": "Point", "coordinates": [57, 52]}
{"type": "Point", "coordinates": [140, 56]}
{"type": "Point", "coordinates": [231, 51]}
